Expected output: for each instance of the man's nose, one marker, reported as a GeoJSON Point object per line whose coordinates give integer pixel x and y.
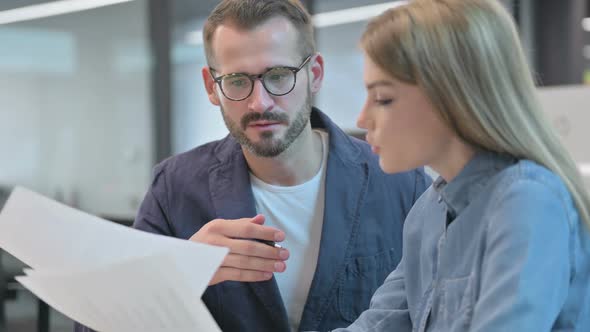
{"type": "Point", "coordinates": [260, 100]}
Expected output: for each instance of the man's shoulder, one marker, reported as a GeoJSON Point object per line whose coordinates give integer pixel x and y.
{"type": "Point", "coordinates": [197, 160]}
{"type": "Point", "coordinates": [407, 184]}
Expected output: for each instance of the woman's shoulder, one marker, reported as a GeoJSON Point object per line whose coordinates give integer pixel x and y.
{"type": "Point", "coordinates": [529, 189]}
{"type": "Point", "coordinates": [530, 177]}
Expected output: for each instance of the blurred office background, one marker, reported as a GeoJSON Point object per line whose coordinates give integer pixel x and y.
{"type": "Point", "coordinates": [92, 99]}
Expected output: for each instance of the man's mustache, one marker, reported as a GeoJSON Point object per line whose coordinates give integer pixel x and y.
{"type": "Point", "coordinates": [265, 116]}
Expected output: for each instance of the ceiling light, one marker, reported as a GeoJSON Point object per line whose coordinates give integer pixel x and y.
{"type": "Point", "coordinates": [586, 24]}
{"type": "Point", "coordinates": [351, 15]}
{"type": "Point", "coordinates": [52, 9]}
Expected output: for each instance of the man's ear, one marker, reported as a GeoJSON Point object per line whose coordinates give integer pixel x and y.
{"type": "Point", "coordinates": [317, 72]}
{"type": "Point", "coordinates": [210, 86]}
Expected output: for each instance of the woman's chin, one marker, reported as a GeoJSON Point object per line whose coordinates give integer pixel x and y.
{"type": "Point", "coordinates": [387, 167]}
{"type": "Point", "coordinates": [391, 167]}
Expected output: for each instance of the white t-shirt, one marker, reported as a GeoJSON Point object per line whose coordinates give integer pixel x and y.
{"type": "Point", "coordinates": [299, 212]}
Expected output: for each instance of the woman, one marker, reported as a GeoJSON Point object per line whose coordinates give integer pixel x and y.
{"type": "Point", "coordinates": [500, 242]}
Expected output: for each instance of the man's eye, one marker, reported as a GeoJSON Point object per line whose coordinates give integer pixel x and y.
{"type": "Point", "coordinates": [277, 74]}
{"type": "Point", "coordinates": [238, 83]}
{"type": "Point", "coordinates": [276, 77]}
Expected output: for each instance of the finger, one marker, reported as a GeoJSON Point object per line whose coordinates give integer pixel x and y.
{"type": "Point", "coordinates": [258, 219]}
{"type": "Point", "coordinates": [244, 229]}
{"type": "Point", "coordinates": [228, 273]}
{"type": "Point", "coordinates": [256, 249]}
{"type": "Point", "coordinates": [253, 263]}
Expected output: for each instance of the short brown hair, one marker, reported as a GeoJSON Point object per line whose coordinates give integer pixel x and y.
{"type": "Point", "coordinates": [248, 14]}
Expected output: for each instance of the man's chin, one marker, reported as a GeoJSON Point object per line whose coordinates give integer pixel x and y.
{"type": "Point", "coordinates": [263, 138]}
{"type": "Point", "coordinates": [255, 134]}
{"type": "Point", "coordinates": [266, 148]}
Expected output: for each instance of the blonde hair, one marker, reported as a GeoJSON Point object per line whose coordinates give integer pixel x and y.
{"type": "Point", "coordinates": [466, 56]}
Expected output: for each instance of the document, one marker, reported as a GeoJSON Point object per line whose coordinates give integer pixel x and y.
{"type": "Point", "coordinates": [107, 276]}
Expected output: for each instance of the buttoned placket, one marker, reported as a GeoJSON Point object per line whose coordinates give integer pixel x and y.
{"type": "Point", "coordinates": [427, 308]}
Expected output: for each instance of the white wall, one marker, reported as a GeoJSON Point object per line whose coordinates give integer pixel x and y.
{"type": "Point", "coordinates": [343, 91]}
{"type": "Point", "coordinates": [76, 108]}
{"type": "Point", "coordinates": [568, 110]}
{"type": "Point", "coordinates": [195, 120]}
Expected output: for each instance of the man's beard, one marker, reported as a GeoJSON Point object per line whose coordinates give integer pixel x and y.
{"type": "Point", "coordinates": [269, 145]}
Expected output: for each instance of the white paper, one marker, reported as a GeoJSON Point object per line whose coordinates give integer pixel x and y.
{"type": "Point", "coordinates": [107, 276]}
{"type": "Point", "coordinates": [165, 308]}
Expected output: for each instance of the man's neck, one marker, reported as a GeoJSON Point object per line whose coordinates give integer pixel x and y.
{"type": "Point", "coordinates": [296, 165]}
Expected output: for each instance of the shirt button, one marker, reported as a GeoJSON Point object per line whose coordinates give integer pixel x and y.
{"type": "Point", "coordinates": [439, 198]}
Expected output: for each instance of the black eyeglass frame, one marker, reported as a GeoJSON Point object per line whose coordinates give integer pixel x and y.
{"type": "Point", "coordinates": [253, 79]}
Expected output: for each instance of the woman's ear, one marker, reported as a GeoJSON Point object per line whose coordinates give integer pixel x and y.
{"type": "Point", "coordinates": [317, 72]}
{"type": "Point", "coordinates": [210, 86]}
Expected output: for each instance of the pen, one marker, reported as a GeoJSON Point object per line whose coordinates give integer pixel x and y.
{"type": "Point", "coordinates": [269, 243]}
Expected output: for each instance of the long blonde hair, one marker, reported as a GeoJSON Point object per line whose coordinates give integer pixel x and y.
{"type": "Point", "coordinates": [467, 57]}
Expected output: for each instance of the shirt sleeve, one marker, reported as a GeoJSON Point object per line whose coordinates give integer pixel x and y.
{"type": "Point", "coordinates": [152, 214]}
{"type": "Point", "coordinates": [526, 265]}
{"type": "Point", "coordinates": [389, 307]}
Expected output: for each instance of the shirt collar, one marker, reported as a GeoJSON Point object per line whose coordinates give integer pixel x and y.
{"type": "Point", "coordinates": [471, 180]}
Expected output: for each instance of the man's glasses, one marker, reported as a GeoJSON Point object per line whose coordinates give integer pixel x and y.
{"type": "Point", "coordinates": [278, 81]}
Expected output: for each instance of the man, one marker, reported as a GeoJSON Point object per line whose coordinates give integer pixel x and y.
{"type": "Point", "coordinates": [286, 174]}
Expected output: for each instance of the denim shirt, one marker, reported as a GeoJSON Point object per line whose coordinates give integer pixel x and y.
{"type": "Point", "coordinates": [499, 248]}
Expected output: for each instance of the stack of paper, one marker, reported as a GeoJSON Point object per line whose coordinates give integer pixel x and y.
{"type": "Point", "coordinates": [107, 276]}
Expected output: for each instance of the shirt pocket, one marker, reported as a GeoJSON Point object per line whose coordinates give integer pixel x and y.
{"type": "Point", "coordinates": [457, 303]}
{"type": "Point", "coordinates": [362, 277]}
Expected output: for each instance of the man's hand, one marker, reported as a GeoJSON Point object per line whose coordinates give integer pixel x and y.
{"type": "Point", "coordinates": [247, 260]}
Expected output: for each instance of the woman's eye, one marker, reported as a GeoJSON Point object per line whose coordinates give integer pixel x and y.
{"type": "Point", "coordinates": [383, 102]}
